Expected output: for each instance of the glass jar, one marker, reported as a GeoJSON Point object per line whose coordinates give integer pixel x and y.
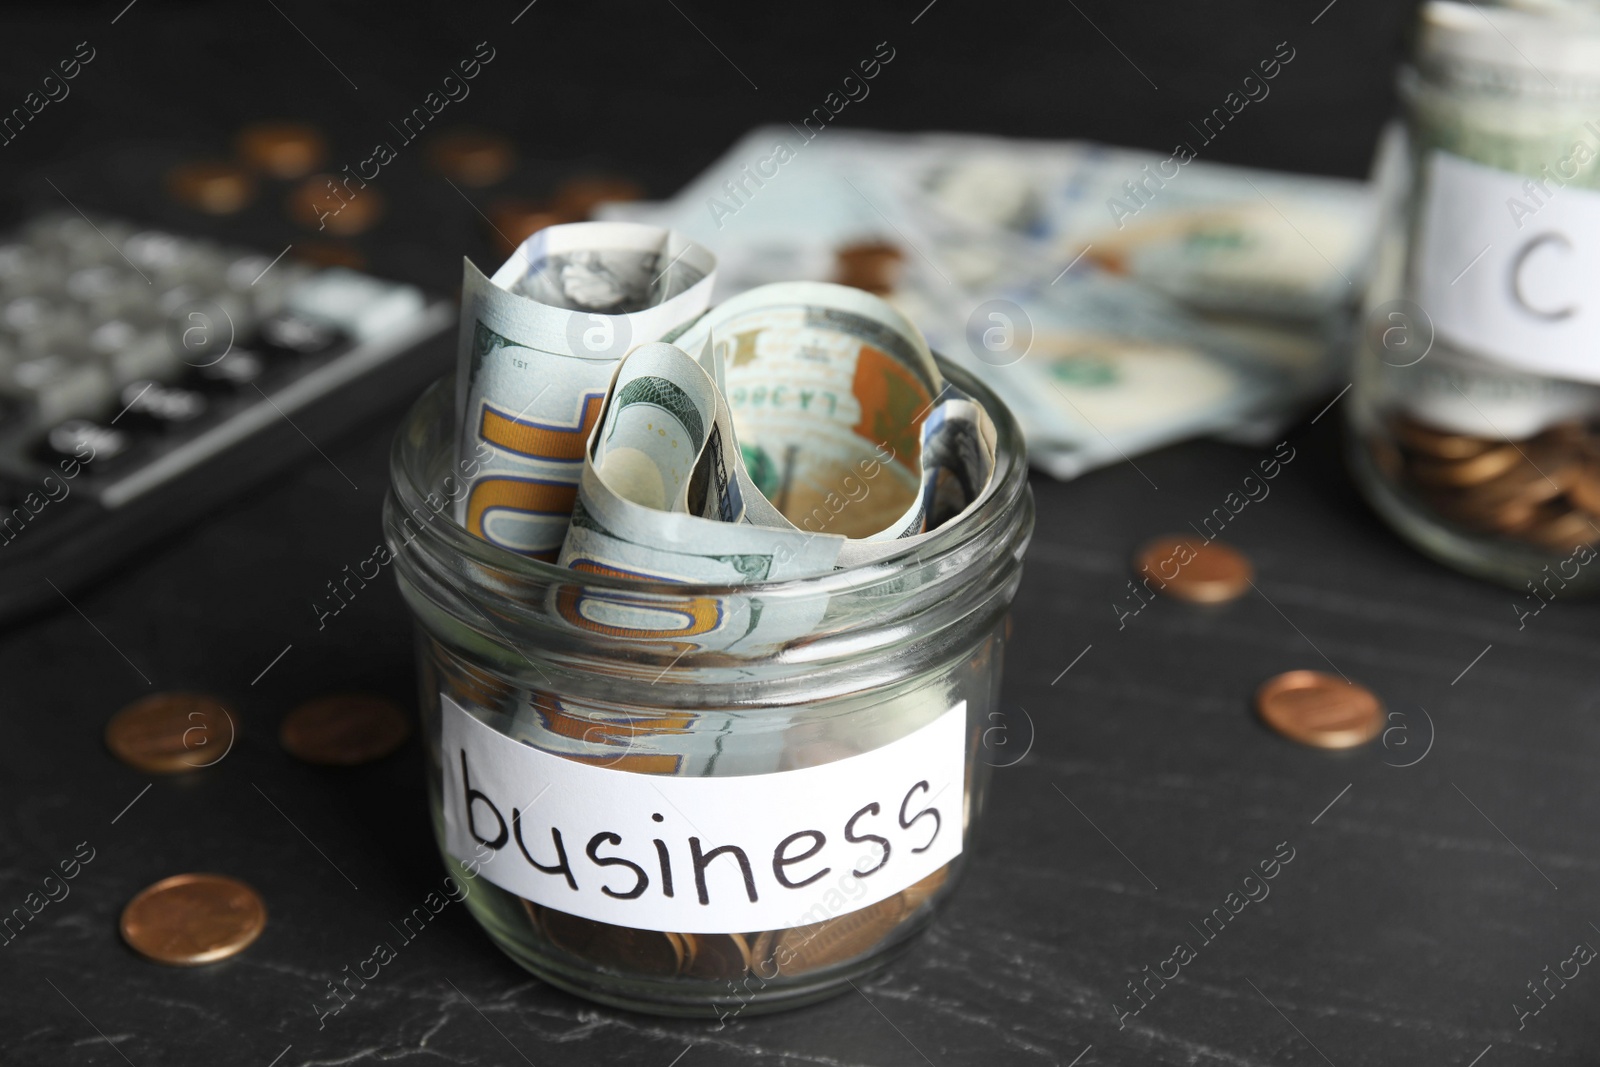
{"type": "Point", "coordinates": [704, 800]}
{"type": "Point", "coordinates": [1475, 393]}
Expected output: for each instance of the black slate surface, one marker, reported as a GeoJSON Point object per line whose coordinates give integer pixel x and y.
{"type": "Point", "coordinates": [1432, 875]}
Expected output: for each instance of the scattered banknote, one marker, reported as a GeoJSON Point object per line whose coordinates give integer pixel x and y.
{"type": "Point", "coordinates": [1249, 275]}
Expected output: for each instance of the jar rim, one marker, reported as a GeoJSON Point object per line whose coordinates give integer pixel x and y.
{"type": "Point", "coordinates": [444, 536]}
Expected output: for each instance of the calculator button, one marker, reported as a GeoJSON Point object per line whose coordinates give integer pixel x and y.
{"type": "Point", "coordinates": [130, 353]}
{"type": "Point", "coordinates": [233, 371]}
{"type": "Point", "coordinates": [59, 388]}
{"type": "Point", "coordinates": [360, 306]}
{"type": "Point", "coordinates": [83, 440]}
{"type": "Point", "coordinates": [289, 333]}
{"type": "Point", "coordinates": [152, 404]}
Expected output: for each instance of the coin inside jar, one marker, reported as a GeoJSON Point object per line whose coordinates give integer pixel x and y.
{"type": "Point", "coordinates": [217, 188]}
{"type": "Point", "coordinates": [190, 919]}
{"type": "Point", "coordinates": [167, 733]}
{"type": "Point", "coordinates": [1319, 709]}
{"type": "Point", "coordinates": [618, 948]}
{"type": "Point", "coordinates": [344, 730]}
{"type": "Point", "coordinates": [716, 956]}
{"type": "Point", "coordinates": [843, 937]}
{"type": "Point", "coordinates": [1188, 568]}
{"type": "Point", "coordinates": [282, 149]}
{"type": "Point", "coordinates": [1475, 470]}
{"type": "Point", "coordinates": [1419, 438]}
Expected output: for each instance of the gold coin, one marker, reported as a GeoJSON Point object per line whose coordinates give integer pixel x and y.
{"type": "Point", "coordinates": [167, 733]}
{"type": "Point", "coordinates": [1319, 709]}
{"type": "Point", "coordinates": [714, 957]}
{"type": "Point", "coordinates": [1474, 470]}
{"type": "Point", "coordinates": [1214, 571]}
{"type": "Point", "coordinates": [875, 266]}
{"type": "Point", "coordinates": [328, 205]}
{"type": "Point", "coordinates": [513, 220]}
{"type": "Point", "coordinates": [1419, 438]}
{"type": "Point", "coordinates": [282, 149]}
{"type": "Point", "coordinates": [344, 730]}
{"type": "Point", "coordinates": [617, 948]}
{"type": "Point", "coordinates": [578, 197]}
{"type": "Point", "coordinates": [213, 187]}
{"type": "Point", "coordinates": [472, 158]}
{"type": "Point", "coordinates": [843, 937]}
{"type": "Point", "coordinates": [190, 919]}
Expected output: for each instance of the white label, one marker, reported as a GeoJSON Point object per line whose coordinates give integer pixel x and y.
{"type": "Point", "coordinates": [1508, 267]}
{"type": "Point", "coordinates": [699, 854]}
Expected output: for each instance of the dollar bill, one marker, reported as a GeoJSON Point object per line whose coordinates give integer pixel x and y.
{"type": "Point", "coordinates": [539, 341]}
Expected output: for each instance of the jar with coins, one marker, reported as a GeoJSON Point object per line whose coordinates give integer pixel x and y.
{"type": "Point", "coordinates": [704, 800]}
{"type": "Point", "coordinates": [1475, 406]}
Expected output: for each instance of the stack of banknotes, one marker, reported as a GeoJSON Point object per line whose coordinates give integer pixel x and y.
{"type": "Point", "coordinates": [1117, 300]}
{"type": "Point", "coordinates": [616, 423]}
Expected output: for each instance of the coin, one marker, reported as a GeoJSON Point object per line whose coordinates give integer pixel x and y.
{"type": "Point", "coordinates": [1419, 438]}
{"type": "Point", "coordinates": [514, 220]}
{"type": "Point", "coordinates": [472, 158]}
{"type": "Point", "coordinates": [217, 188]}
{"type": "Point", "coordinates": [1585, 488]}
{"type": "Point", "coordinates": [875, 266]}
{"type": "Point", "coordinates": [171, 732]}
{"type": "Point", "coordinates": [578, 197]}
{"type": "Point", "coordinates": [1561, 530]}
{"type": "Point", "coordinates": [282, 149]}
{"type": "Point", "coordinates": [329, 254]}
{"type": "Point", "coordinates": [324, 203]}
{"type": "Point", "coordinates": [1213, 573]}
{"type": "Point", "coordinates": [618, 948]}
{"type": "Point", "coordinates": [1319, 709]}
{"type": "Point", "coordinates": [1475, 470]}
{"type": "Point", "coordinates": [190, 919]}
{"type": "Point", "coordinates": [843, 937]}
{"type": "Point", "coordinates": [715, 956]}
{"type": "Point", "coordinates": [918, 893]}
{"type": "Point", "coordinates": [344, 730]}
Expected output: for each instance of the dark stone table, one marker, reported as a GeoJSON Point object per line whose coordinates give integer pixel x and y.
{"type": "Point", "coordinates": [1420, 883]}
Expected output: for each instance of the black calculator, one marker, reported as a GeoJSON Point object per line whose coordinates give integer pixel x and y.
{"type": "Point", "coordinates": [147, 376]}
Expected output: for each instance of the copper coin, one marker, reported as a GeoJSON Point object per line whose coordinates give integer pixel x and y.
{"type": "Point", "coordinates": [617, 948]}
{"type": "Point", "coordinates": [1319, 709]}
{"type": "Point", "coordinates": [843, 937]}
{"type": "Point", "coordinates": [1561, 530]}
{"type": "Point", "coordinates": [1440, 445]}
{"type": "Point", "coordinates": [1585, 488]}
{"type": "Point", "coordinates": [329, 254]}
{"type": "Point", "coordinates": [171, 732]}
{"type": "Point", "coordinates": [217, 188]}
{"type": "Point", "coordinates": [1535, 481]}
{"type": "Point", "coordinates": [918, 893]}
{"type": "Point", "coordinates": [190, 919]}
{"type": "Point", "coordinates": [1189, 568]}
{"type": "Point", "coordinates": [875, 266]}
{"type": "Point", "coordinates": [513, 221]}
{"type": "Point", "coordinates": [282, 149]}
{"type": "Point", "coordinates": [344, 730]}
{"type": "Point", "coordinates": [578, 197]}
{"type": "Point", "coordinates": [472, 158]}
{"type": "Point", "coordinates": [1475, 470]}
{"type": "Point", "coordinates": [715, 956]}
{"type": "Point", "coordinates": [329, 205]}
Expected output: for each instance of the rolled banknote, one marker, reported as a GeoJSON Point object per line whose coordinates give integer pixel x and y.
{"type": "Point", "coordinates": [539, 341]}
